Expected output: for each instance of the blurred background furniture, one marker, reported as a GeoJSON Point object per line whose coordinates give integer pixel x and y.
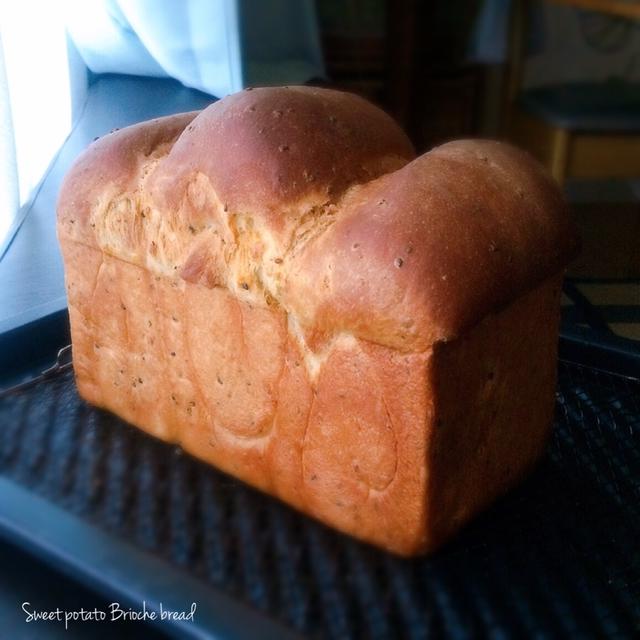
{"type": "Point", "coordinates": [585, 130]}
{"type": "Point", "coordinates": [410, 58]}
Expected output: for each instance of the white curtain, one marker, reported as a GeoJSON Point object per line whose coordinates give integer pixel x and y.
{"type": "Point", "coordinates": [217, 46]}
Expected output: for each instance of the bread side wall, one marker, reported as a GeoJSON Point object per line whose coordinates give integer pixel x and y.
{"type": "Point", "coordinates": [340, 433]}
{"type": "Point", "coordinates": [494, 394]}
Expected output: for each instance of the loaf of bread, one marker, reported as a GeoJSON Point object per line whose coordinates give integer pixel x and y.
{"type": "Point", "coordinates": [278, 285]}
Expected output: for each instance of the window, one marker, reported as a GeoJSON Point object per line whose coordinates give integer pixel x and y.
{"type": "Point", "coordinates": [38, 95]}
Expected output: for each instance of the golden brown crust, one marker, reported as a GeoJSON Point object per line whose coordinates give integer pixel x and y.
{"type": "Point", "coordinates": [396, 449]}
{"type": "Point", "coordinates": [113, 162]}
{"type": "Point", "coordinates": [266, 151]}
{"type": "Point", "coordinates": [228, 383]}
{"type": "Point", "coordinates": [423, 254]}
{"type": "Point", "coordinates": [292, 315]}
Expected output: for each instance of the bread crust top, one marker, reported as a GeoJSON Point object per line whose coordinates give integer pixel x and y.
{"type": "Point", "coordinates": [312, 200]}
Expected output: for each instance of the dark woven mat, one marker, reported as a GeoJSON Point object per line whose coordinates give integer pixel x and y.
{"type": "Point", "coordinates": [558, 557]}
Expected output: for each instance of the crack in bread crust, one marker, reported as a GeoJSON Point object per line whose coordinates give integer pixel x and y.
{"type": "Point", "coordinates": [254, 260]}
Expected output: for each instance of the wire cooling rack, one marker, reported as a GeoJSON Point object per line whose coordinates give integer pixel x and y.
{"type": "Point", "coordinates": [558, 557]}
